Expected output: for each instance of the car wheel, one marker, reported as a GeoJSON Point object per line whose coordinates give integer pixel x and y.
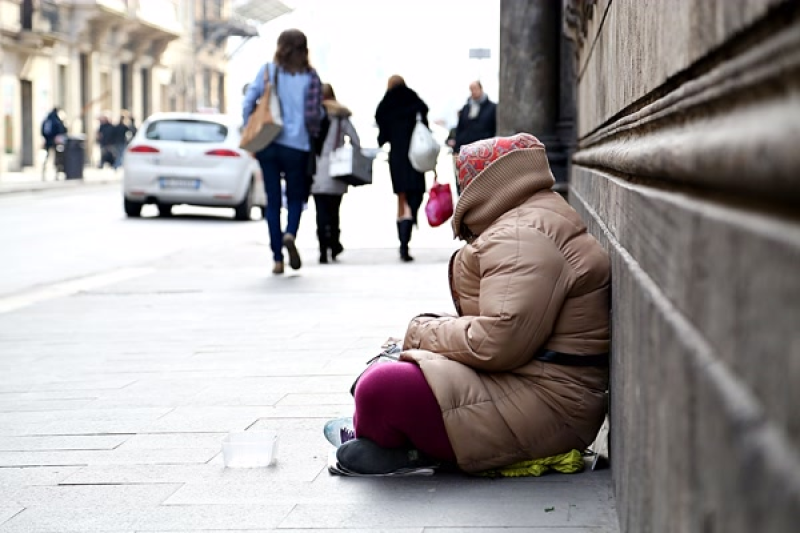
{"type": "Point", "coordinates": [165, 210]}
{"type": "Point", "coordinates": [133, 209]}
{"type": "Point", "coordinates": [243, 210]}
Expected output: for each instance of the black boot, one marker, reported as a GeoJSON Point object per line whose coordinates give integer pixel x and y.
{"type": "Point", "coordinates": [324, 244]}
{"type": "Point", "coordinates": [404, 228]}
{"type": "Point", "coordinates": [336, 245]}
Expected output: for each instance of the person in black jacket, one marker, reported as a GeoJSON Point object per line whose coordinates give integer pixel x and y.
{"type": "Point", "coordinates": [477, 120]}
{"type": "Point", "coordinates": [122, 133]}
{"type": "Point", "coordinates": [396, 117]}
{"type": "Point", "coordinates": [53, 131]}
{"type": "Point", "coordinates": [106, 138]}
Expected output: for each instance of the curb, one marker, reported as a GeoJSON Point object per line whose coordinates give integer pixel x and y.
{"type": "Point", "coordinates": [22, 188]}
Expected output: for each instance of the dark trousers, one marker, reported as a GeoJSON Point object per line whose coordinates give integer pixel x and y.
{"type": "Point", "coordinates": [328, 220]}
{"type": "Point", "coordinates": [108, 154]}
{"type": "Point", "coordinates": [278, 163]}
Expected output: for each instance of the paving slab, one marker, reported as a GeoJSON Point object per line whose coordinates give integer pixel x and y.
{"type": "Point", "coordinates": [59, 442]}
{"type": "Point", "coordinates": [99, 496]}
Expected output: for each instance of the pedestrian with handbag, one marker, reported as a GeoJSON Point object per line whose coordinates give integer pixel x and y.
{"type": "Point", "coordinates": [519, 372]}
{"type": "Point", "coordinates": [327, 190]}
{"type": "Point", "coordinates": [286, 158]}
{"type": "Point", "coordinates": [396, 117]}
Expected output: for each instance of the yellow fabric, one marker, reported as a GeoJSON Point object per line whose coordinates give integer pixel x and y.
{"type": "Point", "coordinates": [566, 463]}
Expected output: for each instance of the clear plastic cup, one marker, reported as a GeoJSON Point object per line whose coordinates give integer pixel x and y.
{"type": "Point", "coordinates": [250, 449]}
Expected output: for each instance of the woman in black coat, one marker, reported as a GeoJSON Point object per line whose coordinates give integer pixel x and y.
{"type": "Point", "coordinates": [396, 117]}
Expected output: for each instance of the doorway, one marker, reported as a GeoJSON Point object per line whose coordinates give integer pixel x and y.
{"type": "Point", "coordinates": [146, 88]}
{"type": "Point", "coordinates": [26, 92]}
{"type": "Point", "coordinates": [126, 83]}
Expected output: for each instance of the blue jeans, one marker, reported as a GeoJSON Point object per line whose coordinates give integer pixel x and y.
{"type": "Point", "coordinates": [281, 162]}
{"type": "Point", "coordinates": [120, 152]}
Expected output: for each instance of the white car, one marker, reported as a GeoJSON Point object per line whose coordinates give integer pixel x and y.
{"type": "Point", "coordinates": [194, 159]}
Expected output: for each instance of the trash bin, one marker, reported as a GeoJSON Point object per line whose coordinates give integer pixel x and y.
{"type": "Point", "coordinates": [74, 156]}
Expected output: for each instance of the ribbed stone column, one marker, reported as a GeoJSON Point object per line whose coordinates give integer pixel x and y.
{"type": "Point", "coordinates": [530, 75]}
{"type": "Point", "coordinates": [528, 67]}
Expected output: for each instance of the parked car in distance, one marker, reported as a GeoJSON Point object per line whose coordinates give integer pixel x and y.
{"type": "Point", "coordinates": [192, 159]}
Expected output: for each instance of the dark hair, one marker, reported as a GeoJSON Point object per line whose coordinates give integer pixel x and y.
{"type": "Point", "coordinates": [292, 52]}
{"type": "Point", "coordinates": [327, 92]}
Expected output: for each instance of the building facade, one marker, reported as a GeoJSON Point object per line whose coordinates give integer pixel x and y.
{"type": "Point", "coordinates": [683, 162]}
{"type": "Point", "coordinates": [93, 57]}
{"type": "Point", "coordinates": [687, 169]}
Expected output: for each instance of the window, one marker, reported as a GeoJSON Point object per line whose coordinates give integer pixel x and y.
{"type": "Point", "coordinates": [62, 87]}
{"type": "Point", "coordinates": [193, 131]}
{"type": "Point", "coordinates": [26, 14]}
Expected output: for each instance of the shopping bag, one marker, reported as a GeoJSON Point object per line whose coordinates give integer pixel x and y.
{"type": "Point", "coordinates": [440, 203]}
{"type": "Point", "coordinates": [349, 164]}
{"type": "Point", "coordinates": [266, 120]}
{"type": "Point", "coordinates": [423, 150]}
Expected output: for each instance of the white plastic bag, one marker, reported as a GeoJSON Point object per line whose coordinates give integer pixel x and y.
{"type": "Point", "coordinates": [424, 150]}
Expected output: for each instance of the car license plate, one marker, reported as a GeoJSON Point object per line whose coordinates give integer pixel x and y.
{"type": "Point", "coordinates": [179, 183]}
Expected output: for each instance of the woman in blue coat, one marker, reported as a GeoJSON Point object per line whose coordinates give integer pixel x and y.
{"type": "Point", "coordinates": [299, 92]}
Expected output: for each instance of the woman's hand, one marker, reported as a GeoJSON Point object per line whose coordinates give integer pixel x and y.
{"type": "Point", "coordinates": [391, 341]}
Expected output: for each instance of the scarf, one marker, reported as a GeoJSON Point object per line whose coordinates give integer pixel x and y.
{"type": "Point", "coordinates": [475, 106]}
{"type": "Point", "coordinates": [313, 105]}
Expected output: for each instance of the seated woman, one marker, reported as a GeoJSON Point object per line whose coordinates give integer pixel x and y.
{"type": "Point", "coordinates": [521, 371]}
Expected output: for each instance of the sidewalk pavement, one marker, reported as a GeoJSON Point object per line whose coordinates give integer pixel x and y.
{"type": "Point", "coordinates": [30, 180]}
{"type": "Point", "coordinates": [115, 395]}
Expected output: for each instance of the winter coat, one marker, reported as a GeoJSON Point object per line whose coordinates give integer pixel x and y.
{"type": "Point", "coordinates": [396, 117]}
{"type": "Point", "coordinates": [529, 277]}
{"type": "Point", "coordinates": [339, 127]}
{"type": "Point", "coordinates": [52, 127]}
{"type": "Point", "coordinates": [483, 126]}
{"type": "Point", "coordinates": [106, 135]}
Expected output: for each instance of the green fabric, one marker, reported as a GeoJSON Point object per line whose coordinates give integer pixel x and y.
{"type": "Point", "coordinates": [566, 463]}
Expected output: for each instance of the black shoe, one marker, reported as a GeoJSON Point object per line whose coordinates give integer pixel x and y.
{"type": "Point", "coordinates": [291, 247]}
{"type": "Point", "coordinates": [323, 257]}
{"type": "Point", "coordinates": [336, 249]}
{"type": "Point", "coordinates": [362, 456]}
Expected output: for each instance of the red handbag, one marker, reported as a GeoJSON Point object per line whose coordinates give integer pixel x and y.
{"type": "Point", "coordinates": [440, 203]}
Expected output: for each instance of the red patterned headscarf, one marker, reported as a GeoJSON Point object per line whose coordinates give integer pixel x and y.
{"type": "Point", "coordinates": [475, 157]}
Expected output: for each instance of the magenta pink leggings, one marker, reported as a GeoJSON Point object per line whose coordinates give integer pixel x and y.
{"type": "Point", "coordinates": [395, 407]}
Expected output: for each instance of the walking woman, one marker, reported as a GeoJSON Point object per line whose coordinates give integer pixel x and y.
{"type": "Point", "coordinates": [328, 191]}
{"type": "Point", "coordinates": [298, 89]}
{"type": "Point", "coordinates": [396, 117]}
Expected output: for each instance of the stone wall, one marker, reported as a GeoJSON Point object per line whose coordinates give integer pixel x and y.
{"type": "Point", "coordinates": [688, 171]}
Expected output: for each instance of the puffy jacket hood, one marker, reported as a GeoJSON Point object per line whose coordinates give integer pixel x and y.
{"type": "Point", "coordinates": [504, 185]}
{"type": "Point", "coordinates": [335, 109]}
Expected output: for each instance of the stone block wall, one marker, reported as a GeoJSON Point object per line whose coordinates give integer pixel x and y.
{"type": "Point", "coordinates": [688, 171]}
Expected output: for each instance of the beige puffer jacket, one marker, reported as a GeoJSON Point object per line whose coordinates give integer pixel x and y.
{"type": "Point", "coordinates": [529, 277]}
